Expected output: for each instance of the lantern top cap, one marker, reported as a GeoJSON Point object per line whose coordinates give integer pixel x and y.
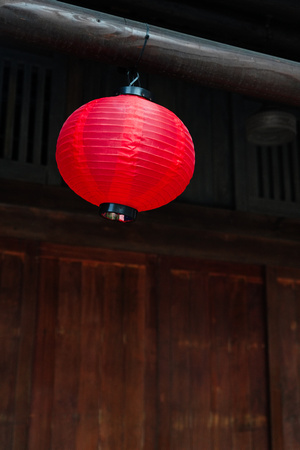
{"type": "Point", "coordinates": [135, 90]}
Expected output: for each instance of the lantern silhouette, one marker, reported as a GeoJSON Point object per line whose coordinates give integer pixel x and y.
{"type": "Point", "coordinates": [125, 154]}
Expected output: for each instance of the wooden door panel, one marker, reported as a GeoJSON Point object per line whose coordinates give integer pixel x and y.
{"type": "Point", "coordinates": [90, 373]}
{"type": "Point", "coordinates": [213, 371]}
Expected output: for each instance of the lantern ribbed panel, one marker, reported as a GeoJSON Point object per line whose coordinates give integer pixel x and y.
{"type": "Point", "coordinates": [125, 150]}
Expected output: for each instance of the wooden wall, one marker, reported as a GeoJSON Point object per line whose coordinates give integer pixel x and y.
{"type": "Point", "coordinates": [178, 332]}
{"type": "Point", "coordinates": [117, 349]}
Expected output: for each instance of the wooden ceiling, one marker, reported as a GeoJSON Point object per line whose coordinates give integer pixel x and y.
{"type": "Point", "coordinates": [267, 26]}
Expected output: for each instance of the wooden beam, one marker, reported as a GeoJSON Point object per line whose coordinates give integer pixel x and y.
{"type": "Point", "coordinates": [66, 28]}
{"type": "Point", "coordinates": [55, 214]}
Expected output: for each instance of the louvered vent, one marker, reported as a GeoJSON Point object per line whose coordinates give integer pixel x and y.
{"type": "Point", "coordinates": [267, 175]}
{"type": "Point", "coordinates": [273, 176]}
{"type": "Point", "coordinates": [31, 110]}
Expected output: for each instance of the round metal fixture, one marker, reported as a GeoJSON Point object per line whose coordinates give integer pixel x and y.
{"type": "Point", "coordinates": [271, 127]}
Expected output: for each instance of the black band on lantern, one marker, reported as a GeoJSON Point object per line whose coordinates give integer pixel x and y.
{"type": "Point", "coordinates": [117, 212]}
{"type": "Point", "coordinates": [135, 90]}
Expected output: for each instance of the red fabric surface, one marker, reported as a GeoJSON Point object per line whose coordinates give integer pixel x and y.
{"type": "Point", "coordinates": [127, 150]}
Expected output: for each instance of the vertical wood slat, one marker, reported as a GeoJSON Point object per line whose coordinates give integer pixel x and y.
{"type": "Point", "coordinates": [10, 110]}
{"type": "Point", "coordinates": [286, 171]}
{"type": "Point", "coordinates": [112, 361]}
{"type": "Point", "coordinates": [2, 121]}
{"type": "Point", "coordinates": [221, 420]}
{"type": "Point", "coordinates": [181, 417]}
{"type": "Point", "coordinates": [242, 423]}
{"type": "Point", "coordinates": [39, 114]}
{"type": "Point", "coordinates": [26, 350]}
{"type": "Point", "coordinates": [200, 361]}
{"type": "Point", "coordinates": [189, 349]}
{"type": "Point", "coordinates": [11, 281]}
{"type": "Point", "coordinates": [1, 81]}
{"type": "Point", "coordinates": [40, 436]}
{"type": "Point", "coordinates": [26, 88]}
{"type": "Point", "coordinates": [266, 181]}
{"type": "Point", "coordinates": [276, 178]}
{"type": "Point", "coordinates": [64, 416]}
{"type": "Point", "coordinates": [150, 397]}
{"type": "Point", "coordinates": [257, 363]}
{"type": "Point", "coordinates": [123, 360]}
{"type": "Point", "coordinates": [253, 157]}
{"type": "Point", "coordinates": [274, 361]}
{"type": "Point", "coordinates": [90, 414]}
{"type": "Point", "coordinates": [57, 116]}
{"type": "Point", "coordinates": [134, 364]}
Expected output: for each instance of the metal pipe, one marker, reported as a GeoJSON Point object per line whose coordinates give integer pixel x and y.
{"type": "Point", "coordinates": [90, 34]}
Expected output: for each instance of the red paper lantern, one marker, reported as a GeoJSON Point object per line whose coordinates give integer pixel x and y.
{"type": "Point", "coordinates": [125, 154]}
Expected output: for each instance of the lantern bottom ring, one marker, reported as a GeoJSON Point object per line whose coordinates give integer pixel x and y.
{"type": "Point", "coordinates": [117, 212]}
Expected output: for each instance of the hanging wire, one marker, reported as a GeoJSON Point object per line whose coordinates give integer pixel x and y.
{"type": "Point", "coordinates": [133, 73]}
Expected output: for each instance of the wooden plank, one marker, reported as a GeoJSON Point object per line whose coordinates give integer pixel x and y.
{"type": "Point", "coordinates": [241, 414]}
{"type": "Point", "coordinates": [40, 435]}
{"type": "Point", "coordinates": [67, 357]}
{"type": "Point", "coordinates": [266, 170]}
{"type": "Point", "coordinates": [181, 417]}
{"type": "Point", "coordinates": [176, 54]}
{"type": "Point", "coordinates": [150, 395]}
{"type": "Point", "coordinates": [11, 286]}
{"type": "Point", "coordinates": [253, 159]}
{"type": "Point", "coordinates": [56, 215]}
{"type": "Point", "coordinates": [112, 362]}
{"type": "Point", "coordinates": [8, 368]}
{"type": "Point", "coordinates": [273, 304]}
{"type": "Point", "coordinates": [11, 279]}
{"type": "Point", "coordinates": [257, 363]}
{"type": "Point", "coordinates": [39, 98]}
{"type": "Point", "coordinates": [275, 170]}
{"type": "Point", "coordinates": [286, 170]}
{"type": "Point", "coordinates": [26, 87]}
{"type": "Point", "coordinates": [134, 354]}
{"type": "Point", "coordinates": [79, 253]}
{"type": "Point", "coordinates": [10, 110]}
{"type": "Point", "coordinates": [123, 359]}
{"type": "Point", "coordinates": [26, 351]}
{"type": "Point", "coordinates": [90, 412]}
{"type": "Point", "coordinates": [199, 362]}
{"type": "Point", "coordinates": [164, 357]}
{"type": "Point", "coordinates": [221, 420]}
